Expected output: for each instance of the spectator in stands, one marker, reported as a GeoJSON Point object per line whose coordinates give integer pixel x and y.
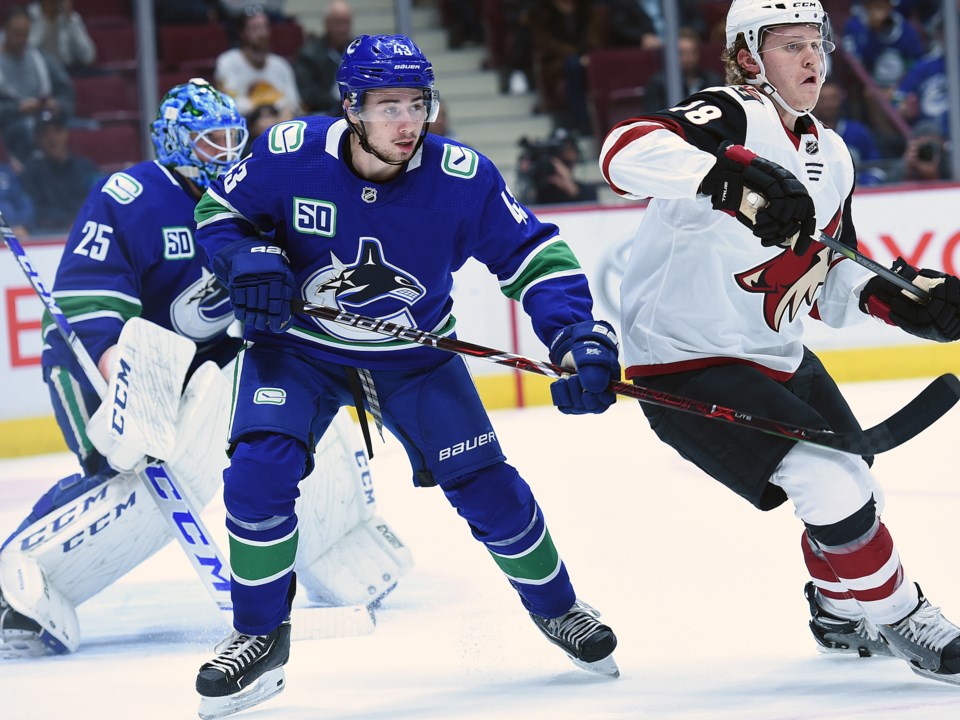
{"type": "Point", "coordinates": [316, 64]}
{"type": "Point", "coordinates": [187, 12]}
{"type": "Point", "coordinates": [273, 8]}
{"type": "Point", "coordinates": [57, 181]}
{"type": "Point", "coordinates": [31, 82]}
{"type": "Point", "coordinates": [693, 77]}
{"type": "Point", "coordinates": [516, 77]}
{"type": "Point", "coordinates": [58, 30]}
{"type": "Point", "coordinates": [261, 119]}
{"type": "Point", "coordinates": [925, 157]}
{"type": "Point", "coordinates": [922, 93]}
{"type": "Point", "coordinates": [883, 41]}
{"type": "Point", "coordinates": [15, 203]}
{"type": "Point", "coordinates": [564, 31]}
{"type": "Point", "coordinates": [640, 23]}
{"type": "Point", "coordinates": [253, 75]}
{"type": "Point", "coordinates": [463, 23]}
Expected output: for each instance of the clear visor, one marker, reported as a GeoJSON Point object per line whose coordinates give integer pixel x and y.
{"type": "Point", "coordinates": [220, 146]}
{"type": "Point", "coordinates": [409, 106]}
{"type": "Point", "coordinates": [785, 39]}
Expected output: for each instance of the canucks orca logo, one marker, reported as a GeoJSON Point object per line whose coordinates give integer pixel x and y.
{"type": "Point", "coordinates": [370, 285]}
{"type": "Point", "coordinates": [202, 311]}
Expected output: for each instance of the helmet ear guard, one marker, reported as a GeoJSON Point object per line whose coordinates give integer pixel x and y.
{"type": "Point", "coordinates": [198, 131]}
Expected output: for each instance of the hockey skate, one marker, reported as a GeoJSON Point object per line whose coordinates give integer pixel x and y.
{"type": "Point", "coordinates": [586, 641]}
{"type": "Point", "coordinates": [19, 635]}
{"type": "Point", "coordinates": [841, 635]}
{"type": "Point", "coordinates": [927, 641]}
{"type": "Point", "coordinates": [247, 671]}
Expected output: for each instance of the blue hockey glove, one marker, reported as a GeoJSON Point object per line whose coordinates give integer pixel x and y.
{"type": "Point", "coordinates": [938, 319]}
{"type": "Point", "coordinates": [591, 349]}
{"type": "Point", "coordinates": [261, 286]}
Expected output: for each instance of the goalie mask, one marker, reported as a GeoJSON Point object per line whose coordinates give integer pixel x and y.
{"type": "Point", "coordinates": [198, 131]}
{"type": "Point", "coordinates": [754, 18]}
{"type": "Point", "coordinates": [373, 62]}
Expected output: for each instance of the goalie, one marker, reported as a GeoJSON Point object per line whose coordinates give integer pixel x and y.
{"type": "Point", "coordinates": [132, 285]}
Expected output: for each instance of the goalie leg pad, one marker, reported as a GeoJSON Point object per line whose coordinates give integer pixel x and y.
{"type": "Point", "coordinates": [347, 555]}
{"type": "Point", "coordinates": [86, 544]}
{"type": "Point", "coordinates": [360, 569]}
{"type": "Point", "coordinates": [27, 590]}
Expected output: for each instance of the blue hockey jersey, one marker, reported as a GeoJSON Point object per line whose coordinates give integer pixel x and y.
{"type": "Point", "coordinates": [132, 252]}
{"type": "Point", "coordinates": [388, 250]}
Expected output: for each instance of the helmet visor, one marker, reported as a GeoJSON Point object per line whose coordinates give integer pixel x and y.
{"type": "Point", "coordinates": [784, 37]}
{"type": "Point", "coordinates": [409, 105]}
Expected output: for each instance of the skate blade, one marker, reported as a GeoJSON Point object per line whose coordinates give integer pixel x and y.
{"type": "Point", "coordinates": [267, 685]}
{"type": "Point", "coordinates": [607, 666]}
{"type": "Point", "coordinates": [949, 679]}
{"type": "Point", "coordinates": [17, 645]}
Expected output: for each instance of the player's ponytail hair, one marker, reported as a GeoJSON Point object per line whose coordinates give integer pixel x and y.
{"type": "Point", "coordinates": [733, 73]}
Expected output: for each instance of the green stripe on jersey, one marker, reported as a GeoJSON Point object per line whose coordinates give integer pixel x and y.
{"type": "Point", "coordinates": [535, 566]}
{"type": "Point", "coordinates": [257, 564]}
{"type": "Point", "coordinates": [549, 260]}
{"type": "Point", "coordinates": [208, 207]}
{"type": "Point", "coordinates": [76, 307]}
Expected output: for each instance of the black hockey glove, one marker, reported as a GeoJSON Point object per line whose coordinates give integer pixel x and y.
{"type": "Point", "coordinates": [787, 220]}
{"type": "Point", "coordinates": [261, 286]}
{"type": "Point", "coordinates": [938, 319]}
{"type": "Point", "coordinates": [591, 349]}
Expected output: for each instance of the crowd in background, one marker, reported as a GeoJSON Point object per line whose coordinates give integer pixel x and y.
{"type": "Point", "coordinates": [886, 92]}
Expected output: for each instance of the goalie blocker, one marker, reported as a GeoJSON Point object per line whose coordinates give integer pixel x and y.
{"type": "Point", "coordinates": [85, 533]}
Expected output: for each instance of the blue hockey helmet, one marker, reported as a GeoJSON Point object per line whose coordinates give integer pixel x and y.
{"type": "Point", "coordinates": [198, 131]}
{"type": "Point", "coordinates": [386, 61]}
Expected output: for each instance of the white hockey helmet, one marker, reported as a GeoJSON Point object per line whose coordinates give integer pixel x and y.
{"type": "Point", "coordinates": [750, 17]}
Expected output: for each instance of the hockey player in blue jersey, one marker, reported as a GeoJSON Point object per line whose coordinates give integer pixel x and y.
{"type": "Point", "coordinates": [131, 255]}
{"type": "Point", "coordinates": [370, 211]}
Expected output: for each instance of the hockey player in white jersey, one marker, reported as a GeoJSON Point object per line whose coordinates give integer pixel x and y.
{"type": "Point", "coordinates": [712, 302]}
{"type": "Point", "coordinates": [130, 279]}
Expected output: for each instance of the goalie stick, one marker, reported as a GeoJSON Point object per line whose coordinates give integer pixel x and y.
{"type": "Point", "coordinates": [918, 414]}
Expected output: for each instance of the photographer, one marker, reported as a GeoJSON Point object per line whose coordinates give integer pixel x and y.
{"type": "Point", "coordinates": [545, 170]}
{"type": "Point", "coordinates": [925, 157]}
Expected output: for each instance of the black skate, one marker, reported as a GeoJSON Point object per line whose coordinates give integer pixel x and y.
{"type": "Point", "coordinates": [248, 670]}
{"type": "Point", "coordinates": [842, 635]}
{"type": "Point", "coordinates": [19, 635]}
{"type": "Point", "coordinates": [588, 642]}
{"type": "Point", "coordinates": [927, 641]}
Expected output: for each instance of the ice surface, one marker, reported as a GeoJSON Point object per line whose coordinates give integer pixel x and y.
{"type": "Point", "coordinates": [704, 592]}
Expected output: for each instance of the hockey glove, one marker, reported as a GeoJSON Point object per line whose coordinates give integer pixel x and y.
{"type": "Point", "coordinates": [787, 220]}
{"type": "Point", "coordinates": [590, 348]}
{"type": "Point", "coordinates": [261, 286]}
{"type": "Point", "coordinates": [937, 319]}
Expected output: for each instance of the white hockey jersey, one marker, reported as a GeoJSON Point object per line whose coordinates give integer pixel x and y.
{"type": "Point", "coordinates": [699, 288]}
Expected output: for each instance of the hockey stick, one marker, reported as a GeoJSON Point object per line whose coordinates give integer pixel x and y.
{"type": "Point", "coordinates": [178, 512]}
{"type": "Point", "coordinates": [754, 201]}
{"type": "Point", "coordinates": [184, 520]}
{"type": "Point", "coordinates": [931, 404]}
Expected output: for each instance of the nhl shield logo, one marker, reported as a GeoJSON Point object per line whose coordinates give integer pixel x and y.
{"type": "Point", "coordinates": [812, 147]}
{"type": "Point", "coordinates": [368, 195]}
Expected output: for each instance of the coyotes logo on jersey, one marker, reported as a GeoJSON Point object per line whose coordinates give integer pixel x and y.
{"type": "Point", "coordinates": [787, 281]}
